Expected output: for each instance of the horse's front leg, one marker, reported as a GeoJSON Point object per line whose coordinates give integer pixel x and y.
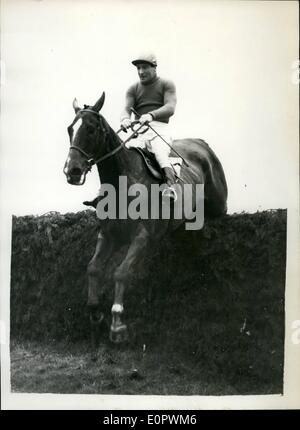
{"type": "Point", "coordinates": [123, 275]}
{"type": "Point", "coordinates": [95, 271]}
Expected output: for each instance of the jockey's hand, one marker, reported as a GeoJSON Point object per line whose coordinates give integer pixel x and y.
{"type": "Point", "coordinates": [146, 117]}
{"type": "Point", "coordinates": [126, 123]}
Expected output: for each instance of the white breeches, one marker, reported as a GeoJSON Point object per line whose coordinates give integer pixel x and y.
{"type": "Point", "coordinates": [154, 143]}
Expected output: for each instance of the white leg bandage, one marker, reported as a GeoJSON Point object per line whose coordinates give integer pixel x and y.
{"type": "Point", "coordinates": [117, 308]}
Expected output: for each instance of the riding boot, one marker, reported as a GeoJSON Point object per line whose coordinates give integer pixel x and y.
{"type": "Point", "coordinates": [93, 202]}
{"type": "Point", "coordinates": [170, 180]}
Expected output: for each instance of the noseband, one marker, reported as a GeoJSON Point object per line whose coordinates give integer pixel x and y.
{"type": "Point", "coordinates": [90, 159]}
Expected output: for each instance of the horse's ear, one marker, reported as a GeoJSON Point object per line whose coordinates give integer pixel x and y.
{"type": "Point", "coordinates": [75, 105]}
{"type": "Point", "coordinates": [98, 105]}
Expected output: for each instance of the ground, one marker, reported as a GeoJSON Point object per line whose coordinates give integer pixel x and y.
{"type": "Point", "coordinates": [57, 368]}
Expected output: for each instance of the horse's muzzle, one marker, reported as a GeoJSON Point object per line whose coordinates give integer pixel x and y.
{"type": "Point", "coordinates": [75, 176]}
{"type": "Point", "coordinates": [76, 179]}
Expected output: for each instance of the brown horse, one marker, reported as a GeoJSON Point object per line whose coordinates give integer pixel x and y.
{"type": "Point", "coordinates": [96, 143]}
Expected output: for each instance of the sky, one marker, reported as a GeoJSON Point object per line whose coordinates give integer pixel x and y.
{"type": "Point", "coordinates": [234, 64]}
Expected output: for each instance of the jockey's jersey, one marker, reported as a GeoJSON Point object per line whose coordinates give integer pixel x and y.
{"type": "Point", "coordinates": [159, 94]}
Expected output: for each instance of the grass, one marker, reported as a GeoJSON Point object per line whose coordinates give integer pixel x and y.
{"type": "Point", "coordinates": [57, 368]}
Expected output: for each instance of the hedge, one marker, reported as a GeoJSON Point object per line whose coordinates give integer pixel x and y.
{"type": "Point", "coordinates": [210, 293]}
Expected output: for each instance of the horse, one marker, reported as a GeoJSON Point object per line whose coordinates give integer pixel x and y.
{"type": "Point", "coordinates": [96, 143]}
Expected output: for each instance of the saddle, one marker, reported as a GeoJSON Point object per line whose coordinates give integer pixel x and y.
{"type": "Point", "coordinates": [152, 165]}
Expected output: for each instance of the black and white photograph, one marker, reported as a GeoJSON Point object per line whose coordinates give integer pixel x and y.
{"type": "Point", "coordinates": [149, 186]}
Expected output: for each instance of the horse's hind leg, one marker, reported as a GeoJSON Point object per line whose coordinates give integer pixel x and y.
{"type": "Point", "coordinates": [123, 274]}
{"type": "Point", "coordinates": [95, 271]}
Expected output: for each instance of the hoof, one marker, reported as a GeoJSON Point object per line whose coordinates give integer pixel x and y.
{"type": "Point", "coordinates": [96, 320]}
{"type": "Point", "coordinates": [92, 203]}
{"type": "Point", "coordinates": [118, 334]}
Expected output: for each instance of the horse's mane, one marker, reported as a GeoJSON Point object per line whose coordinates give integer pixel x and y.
{"type": "Point", "coordinates": [109, 130]}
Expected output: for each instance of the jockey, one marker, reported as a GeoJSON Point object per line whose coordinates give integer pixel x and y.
{"type": "Point", "coordinates": [154, 99]}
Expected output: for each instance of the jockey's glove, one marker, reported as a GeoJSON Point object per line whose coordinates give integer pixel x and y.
{"type": "Point", "coordinates": [146, 117]}
{"type": "Point", "coordinates": [126, 123]}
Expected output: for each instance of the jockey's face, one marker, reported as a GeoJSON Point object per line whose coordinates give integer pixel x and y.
{"type": "Point", "coordinates": [146, 72]}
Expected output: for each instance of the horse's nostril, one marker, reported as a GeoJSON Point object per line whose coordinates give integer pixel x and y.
{"type": "Point", "coordinates": [75, 171]}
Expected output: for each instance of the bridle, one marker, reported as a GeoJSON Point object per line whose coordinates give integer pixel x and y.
{"type": "Point", "coordinates": [91, 161]}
